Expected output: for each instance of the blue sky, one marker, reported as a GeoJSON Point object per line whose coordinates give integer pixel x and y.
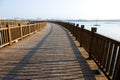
{"type": "Point", "coordinates": [64, 9]}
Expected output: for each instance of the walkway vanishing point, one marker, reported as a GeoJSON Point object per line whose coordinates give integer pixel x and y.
{"type": "Point", "coordinates": [51, 54]}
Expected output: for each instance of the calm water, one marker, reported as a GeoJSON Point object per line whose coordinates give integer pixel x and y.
{"type": "Point", "coordinates": [109, 29]}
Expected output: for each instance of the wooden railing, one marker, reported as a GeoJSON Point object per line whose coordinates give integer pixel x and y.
{"type": "Point", "coordinates": [9, 35]}
{"type": "Point", "coordinates": [103, 50]}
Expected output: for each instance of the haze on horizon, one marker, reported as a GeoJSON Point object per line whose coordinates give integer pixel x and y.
{"type": "Point", "coordinates": [60, 9]}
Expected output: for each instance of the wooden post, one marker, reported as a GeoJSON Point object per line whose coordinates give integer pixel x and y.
{"type": "Point", "coordinates": [21, 32]}
{"type": "Point", "coordinates": [39, 26]}
{"type": "Point", "coordinates": [29, 28]}
{"type": "Point", "coordinates": [77, 31]}
{"type": "Point", "coordinates": [34, 27]}
{"type": "Point", "coordinates": [82, 28]}
{"type": "Point", "coordinates": [9, 34]}
{"type": "Point", "coordinates": [93, 30]}
{"type": "Point", "coordinates": [74, 29]}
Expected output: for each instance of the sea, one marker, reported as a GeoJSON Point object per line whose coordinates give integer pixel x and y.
{"type": "Point", "coordinates": [109, 29]}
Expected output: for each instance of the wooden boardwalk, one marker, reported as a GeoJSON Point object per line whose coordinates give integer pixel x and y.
{"type": "Point", "coordinates": [51, 54]}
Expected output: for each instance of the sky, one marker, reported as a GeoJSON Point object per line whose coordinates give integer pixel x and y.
{"type": "Point", "coordinates": [60, 9]}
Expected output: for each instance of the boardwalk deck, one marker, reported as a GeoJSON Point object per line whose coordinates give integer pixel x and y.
{"type": "Point", "coordinates": [51, 54]}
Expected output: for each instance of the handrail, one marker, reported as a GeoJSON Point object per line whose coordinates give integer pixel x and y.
{"type": "Point", "coordinates": [9, 35]}
{"type": "Point", "coordinates": [103, 50]}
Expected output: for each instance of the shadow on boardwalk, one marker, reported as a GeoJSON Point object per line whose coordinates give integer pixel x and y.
{"type": "Point", "coordinates": [52, 66]}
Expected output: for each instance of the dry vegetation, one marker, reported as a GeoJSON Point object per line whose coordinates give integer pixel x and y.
{"type": "Point", "coordinates": [12, 22]}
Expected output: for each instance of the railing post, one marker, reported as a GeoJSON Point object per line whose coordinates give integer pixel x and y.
{"type": "Point", "coordinates": [93, 30]}
{"type": "Point", "coordinates": [39, 26]}
{"type": "Point", "coordinates": [73, 29]}
{"type": "Point", "coordinates": [77, 31]}
{"type": "Point", "coordinates": [35, 27]}
{"type": "Point", "coordinates": [21, 32]}
{"type": "Point", "coordinates": [9, 34]}
{"type": "Point", "coordinates": [29, 28]}
{"type": "Point", "coordinates": [81, 32]}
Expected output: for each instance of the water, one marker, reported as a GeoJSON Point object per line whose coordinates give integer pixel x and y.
{"type": "Point", "coordinates": [108, 29]}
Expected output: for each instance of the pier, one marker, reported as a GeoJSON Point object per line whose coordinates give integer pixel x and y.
{"type": "Point", "coordinates": [52, 51]}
